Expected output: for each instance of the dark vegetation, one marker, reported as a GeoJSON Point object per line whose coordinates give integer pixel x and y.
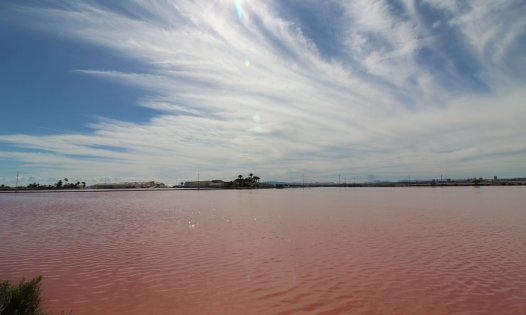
{"type": "Point", "coordinates": [22, 298]}
{"type": "Point", "coordinates": [251, 181]}
{"type": "Point", "coordinates": [60, 184]}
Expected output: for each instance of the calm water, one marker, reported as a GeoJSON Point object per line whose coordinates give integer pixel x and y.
{"type": "Point", "coordinates": [312, 251]}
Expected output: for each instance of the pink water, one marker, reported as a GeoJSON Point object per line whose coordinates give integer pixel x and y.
{"type": "Point", "coordinates": [312, 251]}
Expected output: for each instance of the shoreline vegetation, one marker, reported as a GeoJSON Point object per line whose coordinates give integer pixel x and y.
{"type": "Point", "coordinates": [22, 298]}
{"type": "Point", "coordinates": [253, 182]}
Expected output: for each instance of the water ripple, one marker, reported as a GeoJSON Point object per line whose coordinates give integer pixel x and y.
{"type": "Point", "coordinates": [314, 251]}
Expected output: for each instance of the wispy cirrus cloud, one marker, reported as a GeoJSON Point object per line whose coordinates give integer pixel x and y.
{"type": "Point", "coordinates": [257, 92]}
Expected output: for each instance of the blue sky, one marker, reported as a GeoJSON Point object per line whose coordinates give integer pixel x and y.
{"type": "Point", "coordinates": [97, 91]}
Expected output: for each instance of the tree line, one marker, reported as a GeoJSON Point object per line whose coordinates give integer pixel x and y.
{"type": "Point", "coordinates": [240, 181]}
{"type": "Point", "coordinates": [60, 184]}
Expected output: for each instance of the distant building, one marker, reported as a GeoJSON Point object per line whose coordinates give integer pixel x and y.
{"type": "Point", "coordinates": [128, 185]}
{"type": "Point", "coordinates": [216, 183]}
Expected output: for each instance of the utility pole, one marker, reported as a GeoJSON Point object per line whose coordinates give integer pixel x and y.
{"type": "Point", "coordinates": [339, 180]}
{"type": "Point", "coordinates": [16, 186]}
{"type": "Point", "coordinates": [303, 176]}
{"type": "Point", "coordinates": [197, 179]}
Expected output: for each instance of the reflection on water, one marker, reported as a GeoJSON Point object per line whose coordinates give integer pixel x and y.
{"type": "Point", "coordinates": [312, 251]}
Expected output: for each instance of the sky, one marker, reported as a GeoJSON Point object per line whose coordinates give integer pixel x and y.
{"type": "Point", "coordinates": [106, 91]}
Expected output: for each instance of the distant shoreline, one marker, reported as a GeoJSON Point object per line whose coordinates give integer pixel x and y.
{"type": "Point", "coordinates": [279, 186]}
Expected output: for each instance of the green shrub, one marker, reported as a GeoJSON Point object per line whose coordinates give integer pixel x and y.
{"type": "Point", "coordinates": [21, 299]}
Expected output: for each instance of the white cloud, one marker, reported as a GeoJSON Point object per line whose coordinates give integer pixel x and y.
{"type": "Point", "coordinates": [316, 116]}
{"type": "Point", "coordinates": [493, 30]}
{"type": "Point", "coordinates": [383, 42]}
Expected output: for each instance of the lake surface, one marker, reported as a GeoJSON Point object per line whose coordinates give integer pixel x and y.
{"type": "Point", "coordinates": [290, 251]}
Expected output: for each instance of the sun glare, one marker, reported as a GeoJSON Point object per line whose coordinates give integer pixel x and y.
{"type": "Point", "coordinates": [239, 10]}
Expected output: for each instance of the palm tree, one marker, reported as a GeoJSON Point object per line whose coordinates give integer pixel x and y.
{"type": "Point", "coordinates": [239, 179]}
{"type": "Point", "coordinates": [256, 179]}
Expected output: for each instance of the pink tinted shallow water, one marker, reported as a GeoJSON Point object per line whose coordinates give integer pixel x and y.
{"type": "Point", "coordinates": [312, 251]}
